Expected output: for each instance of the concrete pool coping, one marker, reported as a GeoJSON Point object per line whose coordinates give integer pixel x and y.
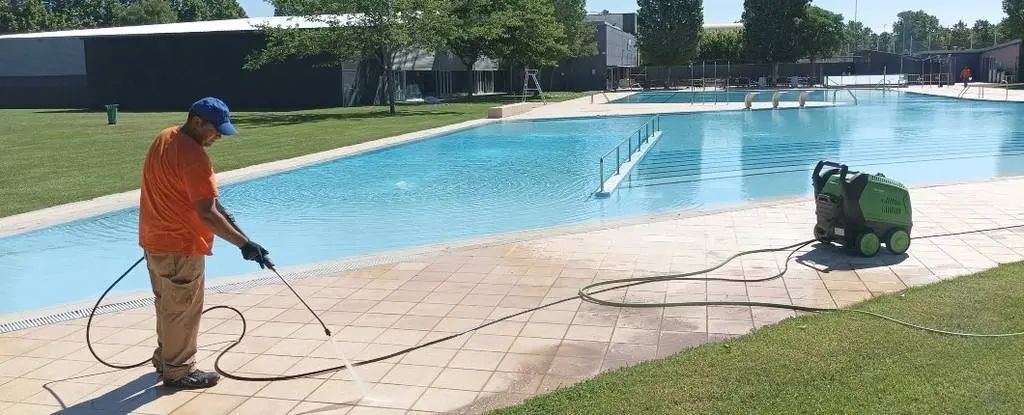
{"type": "Point", "coordinates": [140, 298]}
{"type": "Point", "coordinates": [592, 106]}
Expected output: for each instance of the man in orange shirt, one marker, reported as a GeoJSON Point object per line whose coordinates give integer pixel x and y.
{"type": "Point", "coordinates": [965, 75]}
{"type": "Point", "coordinates": [179, 215]}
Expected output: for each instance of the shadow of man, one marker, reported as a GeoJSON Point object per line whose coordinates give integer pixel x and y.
{"type": "Point", "coordinates": [125, 399]}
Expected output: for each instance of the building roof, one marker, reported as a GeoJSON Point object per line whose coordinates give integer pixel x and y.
{"type": "Point", "coordinates": [975, 50]}
{"type": "Point", "coordinates": [228, 25]}
{"type": "Point", "coordinates": [723, 26]}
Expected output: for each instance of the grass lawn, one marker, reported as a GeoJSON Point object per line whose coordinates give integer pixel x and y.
{"type": "Point", "coordinates": [52, 157]}
{"type": "Point", "coordinates": [836, 363]}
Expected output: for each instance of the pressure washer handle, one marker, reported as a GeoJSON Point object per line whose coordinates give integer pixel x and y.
{"type": "Point", "coordinates": [823, 163]}
{"type": "Point", "coordinates": [819, 181]}
{"type": "Point", "coordinates": [843, 169]}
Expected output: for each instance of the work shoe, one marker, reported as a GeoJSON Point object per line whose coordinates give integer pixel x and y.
{"type": "Point", "coordinates": [195, 380]}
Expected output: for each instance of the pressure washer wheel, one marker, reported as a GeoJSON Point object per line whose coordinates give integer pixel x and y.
{"type": "Point", "coordinates": [898, 241]}
{"type": "Point", "coordinates": [820, 234]}
{"type": "Point", "coordinates": [868, 244]}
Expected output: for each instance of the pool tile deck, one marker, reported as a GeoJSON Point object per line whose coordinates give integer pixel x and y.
{"type": "Point", "coordinates": [975, 92]}
{"type": "Point", "coordinates": [386, 308]}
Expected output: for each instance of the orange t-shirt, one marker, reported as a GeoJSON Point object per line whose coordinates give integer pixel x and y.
{"type": "Point", "coordinates": [177, 172]}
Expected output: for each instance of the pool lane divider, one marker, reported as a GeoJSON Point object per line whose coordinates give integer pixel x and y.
{"type": "Point", "coordinates": [613, 182]}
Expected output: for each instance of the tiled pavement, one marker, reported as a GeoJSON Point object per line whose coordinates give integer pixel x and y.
{"type": "Point", "coordinates": [382, 309]}
{"type": "Point", "coordinates": [976, 91]}
{"type": "Point", "coordinates": [600, 105]}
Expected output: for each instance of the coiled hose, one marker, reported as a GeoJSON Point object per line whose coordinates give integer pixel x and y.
{"type": "Point", "coordinates": [586, 293]}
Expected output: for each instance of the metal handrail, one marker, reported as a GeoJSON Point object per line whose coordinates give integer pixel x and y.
{"type": "Point", "coordinates": [964, 91]}
{"type": "Point", "coordinates": [643, 134]}
{"type": "Point", "coordinates": [839, 88]}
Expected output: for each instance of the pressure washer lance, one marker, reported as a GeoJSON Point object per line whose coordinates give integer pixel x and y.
{"type": "Point", "coordinates": [265, 261]}
{"type": "Point", "coordinates": [348, 363]}
{"type": "Point", "coordinates": [587, 294]}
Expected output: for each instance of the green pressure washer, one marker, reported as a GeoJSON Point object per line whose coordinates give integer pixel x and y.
{"type": "Point", "coordinates": [860, 210]}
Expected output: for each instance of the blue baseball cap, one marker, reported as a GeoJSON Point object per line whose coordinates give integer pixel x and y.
{"type": "Point", "coordinates": [215, 112]}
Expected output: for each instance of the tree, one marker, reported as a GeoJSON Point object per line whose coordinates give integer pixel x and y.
{"type": "Point", "coordinates": [940, 40]}
{"type": "Point", "coordinates": [859, 37]}
{"type": "Point", "coordinates": [912, 30]}
{"type": "Point", "coordinates": [669, 30]}
{"type": "Point", "coordinates": [579, 33]}
{"type": "Point", "coordinates": [84, 14]}
{"type": "Point", "coordinates": [821, 33]}
{"type": "Point", "coordinates": [984, 33]}
{"type": "Point", "coordinates": [886, 42]}
{"type": "Point", "coordinates": [476, 28]}
{"type": "Point", "coordinates": [202, 10]}
{"type": "Point", "coordinates": [34, 15]}
{"type": "Point", "coordinates": [531, 35]}
{"type": "Point", "coordinates": [142, 12]}
{"type": "Point", "coordinates": [1013, 24]}
{"type": "Point", "coordinates": [771, 30]}
{"type": "Point", "coordinates": [284, 8]}
{"type": "Point", "coordinates": [959, 36]}
{"type": "Point", "coordinates": [374, 29]}
{"type": "Point", "coordinates": [24, 16]}
{"type": "Point", "coordinates": [721, 44]}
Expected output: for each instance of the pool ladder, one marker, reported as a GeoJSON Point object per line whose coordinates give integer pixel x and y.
{"type": "Point", "coordinates": [848, 90]}
{"type": "Point", "coordinates": [841, 88]}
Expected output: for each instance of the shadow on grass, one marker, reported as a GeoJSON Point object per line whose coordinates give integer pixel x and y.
{"type": "Point", "coordinates": [280, 119]}
{"type": "Point", "coordinates": [84, 111]}
{"type": "Point", "coordinates": [827, 258]}
{"type": "Point", "coordinates": [512, 99]}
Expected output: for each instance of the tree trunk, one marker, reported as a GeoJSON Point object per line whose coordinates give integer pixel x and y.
{"type": "Point", "coordinates": [469, 65]}
{"type": "Point", "coordinates": [391, 88]}
{"type": "Point", "coordinates": [387, 61]}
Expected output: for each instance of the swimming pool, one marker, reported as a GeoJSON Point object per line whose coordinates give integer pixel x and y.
{"type": "Point", "coordinates": [512, 176]}
{"type": "Point", "coordinates": [713, 96]}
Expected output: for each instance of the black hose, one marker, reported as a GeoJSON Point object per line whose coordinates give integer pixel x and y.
{"type": "Point", "coordinates": [586, 294]}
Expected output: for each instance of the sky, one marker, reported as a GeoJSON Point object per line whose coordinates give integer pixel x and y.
{"type": "Point", "coordinates": [876, 14]}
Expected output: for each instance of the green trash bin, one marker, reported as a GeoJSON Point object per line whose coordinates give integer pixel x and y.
{"type": "Point", "coordinates": [112, 113]}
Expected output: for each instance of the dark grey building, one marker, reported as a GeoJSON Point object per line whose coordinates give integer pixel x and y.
{"type": "Point", "coordinates": [168, 66]}
{"type": "Point", "coordinates": [992, 64]}
{"type": "Point", "coordinates": [625, 21]}
{"type": "Point", "coordinates": [617, 57]}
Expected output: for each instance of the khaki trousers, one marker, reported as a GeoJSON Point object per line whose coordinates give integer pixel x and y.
{"type": "Point", "coordinates": [178, 283]}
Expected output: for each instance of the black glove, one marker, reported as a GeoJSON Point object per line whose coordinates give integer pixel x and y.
{"type": "Point", "coordinates": [252, 251]}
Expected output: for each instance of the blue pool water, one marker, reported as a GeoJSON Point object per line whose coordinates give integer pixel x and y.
{"type": "Point", "coordinates": [522, 175]}
{"type": "Point", "coordinates": [710, 97]}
